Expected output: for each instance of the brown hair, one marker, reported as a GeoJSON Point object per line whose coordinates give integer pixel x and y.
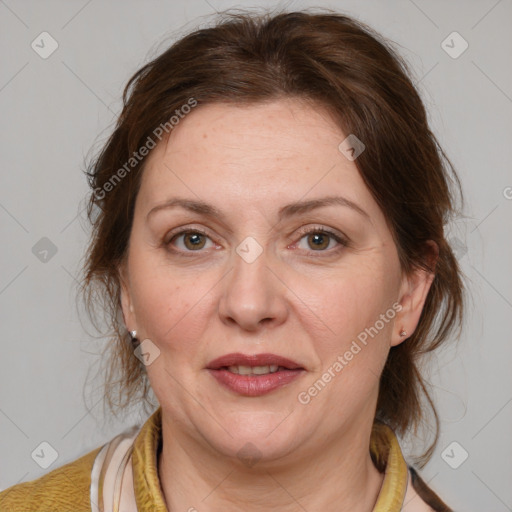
{"type": "Point", "coordinates": [327, 59]}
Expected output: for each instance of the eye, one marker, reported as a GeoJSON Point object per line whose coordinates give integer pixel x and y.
{"type": "Point", "coordinates": [321, 240]}
{"type": "Point", "coordinates": [191, 240]}
{"type": "Point", "coordinates": [316, 239]}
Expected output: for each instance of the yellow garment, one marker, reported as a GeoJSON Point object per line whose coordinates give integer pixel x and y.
{"type": "Point", "coordinates": [68, 488]}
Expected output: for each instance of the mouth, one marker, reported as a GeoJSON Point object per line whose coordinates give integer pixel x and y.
{"type": "Point", "coordinates": [254, 375]}
{"type": "Point", "coordinates": [258, 364]}
{"type": "Point", "coordinates": [254, 370]}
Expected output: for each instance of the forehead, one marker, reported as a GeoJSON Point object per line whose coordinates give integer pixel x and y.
{"type": "Point", "coordinates": [279, 129]}
{"type": "Point", "coordinates": [257, 156]}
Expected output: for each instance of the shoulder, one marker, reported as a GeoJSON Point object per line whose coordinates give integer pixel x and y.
{"type": "Point", "coordinates": [64, 488]}
{"type": "Point", "coordinates": [420, 497]}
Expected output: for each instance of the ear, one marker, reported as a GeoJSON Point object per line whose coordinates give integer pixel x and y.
{"type": "Point", "coordinates": [126, 300]}
{"type": "Point", "coordinates": [413, 294]}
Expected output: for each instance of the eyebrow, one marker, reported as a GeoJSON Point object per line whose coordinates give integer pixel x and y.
{"type": "Point", "coordinates": [289, 210]}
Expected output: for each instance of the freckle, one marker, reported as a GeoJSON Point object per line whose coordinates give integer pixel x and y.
{"type": "Point", "coordinates": [205, 135]}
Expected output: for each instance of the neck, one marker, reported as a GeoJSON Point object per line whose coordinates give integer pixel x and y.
{"type": "Point", "coordinates": [339, 477]}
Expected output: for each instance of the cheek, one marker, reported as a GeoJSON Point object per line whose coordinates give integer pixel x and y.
{"type": "Point", "coordinates": [351, 301]}
{"type": "Point", "coordinates": [353, 345]}
{"type": "Point", "coordinates": [168, 305]}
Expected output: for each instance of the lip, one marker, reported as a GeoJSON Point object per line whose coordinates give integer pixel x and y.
{"type": "Point", "coordinates": [237, 358]}
{"type": "Point", "coordinates": [254, 385]}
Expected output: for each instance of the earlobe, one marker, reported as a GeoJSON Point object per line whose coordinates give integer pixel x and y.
{"type": "Point", "coordinates": [413, 294]}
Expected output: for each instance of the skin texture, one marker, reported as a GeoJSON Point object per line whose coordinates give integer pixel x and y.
{"type": "Point", "coordinates": [295, 300]}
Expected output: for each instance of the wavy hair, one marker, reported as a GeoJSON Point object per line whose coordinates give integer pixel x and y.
{"type": "Point", "coordinates": [330, 60]}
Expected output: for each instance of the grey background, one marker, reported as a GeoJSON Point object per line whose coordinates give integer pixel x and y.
{"type": "Point", "coordinates": [54, 110]}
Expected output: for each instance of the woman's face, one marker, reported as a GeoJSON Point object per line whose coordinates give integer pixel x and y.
{"type": "Point", "coordinates": [275, 269]}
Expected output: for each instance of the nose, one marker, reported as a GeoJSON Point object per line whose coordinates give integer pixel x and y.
{"type": "Point", "coordinates": [254, 295]}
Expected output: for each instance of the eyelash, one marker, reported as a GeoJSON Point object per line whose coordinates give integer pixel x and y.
{"type": "Point", "coordinates": [343, 242]}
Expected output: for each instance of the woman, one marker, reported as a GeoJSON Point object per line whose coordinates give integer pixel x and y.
{"type": "Point", "coordinates": [268, 238]}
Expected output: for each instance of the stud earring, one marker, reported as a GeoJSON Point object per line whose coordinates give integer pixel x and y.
{"type": "Point", "coordinates": [403, 333]}
{"type": "Point", "coordinates": [133, 334]}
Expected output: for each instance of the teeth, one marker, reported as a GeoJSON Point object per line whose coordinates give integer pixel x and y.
{"type": "Point", "coordinates": [253, 370]}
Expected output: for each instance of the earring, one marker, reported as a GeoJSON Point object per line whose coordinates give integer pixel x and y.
{"type": "Point", "coordinates": [133, 334]}
{"type": "Point", "coordinates": [403, 333]}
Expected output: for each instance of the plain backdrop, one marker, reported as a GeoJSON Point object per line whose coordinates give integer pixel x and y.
{"type": "Point", "coordinates": [55, 110]}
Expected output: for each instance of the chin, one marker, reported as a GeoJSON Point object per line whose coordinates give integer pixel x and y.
{"type": "Point", "coordinates": [252, 437]}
